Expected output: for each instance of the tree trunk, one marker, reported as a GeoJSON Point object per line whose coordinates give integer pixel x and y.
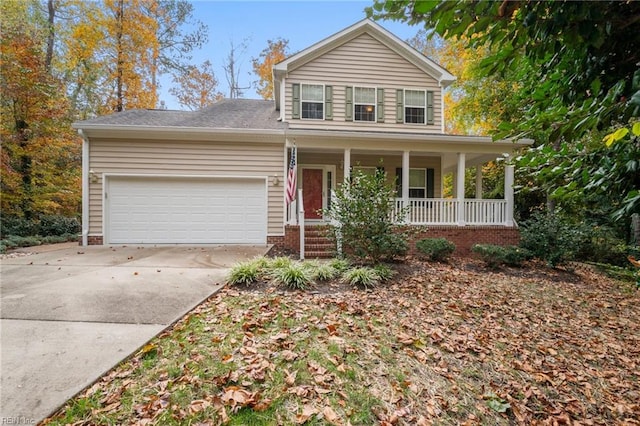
{"type": "Point", "coordinates": [119, 53]}
{"type": "Point", "coordinates": [51, 35]}
{"type": "Point", "coordinates": [26, 203]}
{"type": "Point", "coordinates": [551, 203]}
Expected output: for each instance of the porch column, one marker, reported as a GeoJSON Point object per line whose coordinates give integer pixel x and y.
{"type": "Point", "coordinates": [479, 181]}
{"type": "Point", "coordinates": [460, 188]}
{"type": "Point", "coordinates": [405, 180]}
{"type": "Point", "coordinates": [508, 193]}
{"type": "Point", "coordinates": [347, 164]}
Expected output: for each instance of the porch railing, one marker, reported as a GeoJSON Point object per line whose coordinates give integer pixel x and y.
{"type": "Point", "coordinates": [444, 211]}
{"type": "Point", "coordinates": [485, 212]}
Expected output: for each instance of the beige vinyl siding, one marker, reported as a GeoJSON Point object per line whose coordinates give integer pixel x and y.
{"type": "Point", "coordinates": [140, 157]}
{"type": "Point", "coordinates": [390, 162]}
{"type": "Point", "coordinates": [364, 61]}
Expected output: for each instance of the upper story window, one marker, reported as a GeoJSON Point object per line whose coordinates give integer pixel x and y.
{"type": "Point", "coordinates": [364, 104]}
{"type": "Point", "coordinates": [312, 101]}
{"type": "Point", "coordinates": [415, 106]}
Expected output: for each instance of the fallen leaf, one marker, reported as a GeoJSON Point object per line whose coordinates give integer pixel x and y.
{"type": "Point", "coordinates": [331, 416]}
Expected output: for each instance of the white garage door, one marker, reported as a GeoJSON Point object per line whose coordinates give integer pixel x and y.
{"type": "Point", "coordinates": [148, 210]}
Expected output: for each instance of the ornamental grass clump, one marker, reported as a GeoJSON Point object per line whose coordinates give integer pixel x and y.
{"type": "Point", "coordinates": [340, 265]}
{"type": "Point", "coordinates": [384, 271]}
{"type": "Point", "coordinates": [321, 271]}
{"type": "Point", "coordinates": [279, 263]}
{"type": "Point", "coordinates": [363, 276]}
{"type": "Point", "coordinates": [295, 276]}
{"type": "Point", "coordinates": [245, 273]}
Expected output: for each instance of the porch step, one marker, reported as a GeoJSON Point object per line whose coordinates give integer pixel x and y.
{"type": "Point", "coordinates": [317, 245]}
{"type": "Point", "coordinates": [318, 254]}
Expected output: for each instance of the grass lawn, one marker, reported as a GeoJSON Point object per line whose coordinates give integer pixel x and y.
{"type": "Point", "coordinates": [437, 344]}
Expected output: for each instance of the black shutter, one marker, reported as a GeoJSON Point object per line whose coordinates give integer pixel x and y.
{"type": "Point", "coordinates": [430, 183]}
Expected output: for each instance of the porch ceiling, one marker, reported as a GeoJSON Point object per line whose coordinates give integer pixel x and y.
{"type": "Point", "coordinates": [450, 160]}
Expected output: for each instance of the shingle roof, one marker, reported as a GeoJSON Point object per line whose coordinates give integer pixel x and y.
{"type": "Point", "coordinates": [224, 114]}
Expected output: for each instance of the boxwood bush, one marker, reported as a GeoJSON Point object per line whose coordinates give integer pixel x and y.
{"type": "Point", "coordinates": [494, 255]}
{"type": "Point", "coordinates": [438, 249]}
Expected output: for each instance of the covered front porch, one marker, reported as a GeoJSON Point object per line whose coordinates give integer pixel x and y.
{"type": "Point", "coordinates": [323, 163]}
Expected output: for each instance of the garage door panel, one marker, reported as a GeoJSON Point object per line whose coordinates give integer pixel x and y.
{"type": "Point", "coordinates": [186, 210]}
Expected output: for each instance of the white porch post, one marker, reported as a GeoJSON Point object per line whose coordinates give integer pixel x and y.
{"type": "Point", "coordinates": [405, 181]}
{"type": "Point", "coordinates": [479, 181]}
{"type": "Point", "coordinates": [460, 188]}
{"type": "Point", "coordinates": [508, 193]}
{"type": "Point", "coordinates": [347, 164]}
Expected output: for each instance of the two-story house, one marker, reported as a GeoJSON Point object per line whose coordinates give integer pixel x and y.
{"type": "Point", "coordinates": [360, 99]}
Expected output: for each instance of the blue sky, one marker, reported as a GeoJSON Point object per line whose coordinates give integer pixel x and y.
{"type": "Point", "coordinates": [303, 23]}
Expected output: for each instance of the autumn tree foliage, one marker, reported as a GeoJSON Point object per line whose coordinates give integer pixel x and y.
{"type": "Point", "coordinates": [65, 60]}
{"type": "Point", "coordinates": [196, 88]}
{"type": "Point", "coordinates": [116, 49]}
{"type": "Point", "coordinates": [40, 154]}
{"type": "Point", "coordinates": [276, 51]}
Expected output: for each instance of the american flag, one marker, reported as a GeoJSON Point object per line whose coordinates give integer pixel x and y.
{"type": "Point", "coordinates": [291, 178]}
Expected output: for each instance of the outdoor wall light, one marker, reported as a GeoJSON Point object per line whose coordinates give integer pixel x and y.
{"type": "Point", "coordinates": [276, 180]}
{"type": "Point", "coordinates": [93, 177]}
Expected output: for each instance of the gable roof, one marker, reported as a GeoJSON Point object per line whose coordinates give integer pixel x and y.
{"type": "Point", "coordinates": [366, 26]}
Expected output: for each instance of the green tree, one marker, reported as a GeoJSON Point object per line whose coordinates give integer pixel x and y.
{"type": "Point", "coordinates": [362, 211]}
{"type": "Point", "coordinates": [575, 71]}
{"type": "Point", "coordinates": [582, 56]}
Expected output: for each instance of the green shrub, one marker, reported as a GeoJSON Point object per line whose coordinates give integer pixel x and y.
{"type": "Point", "coordinates": [437, 249]}
{"type": "Point", "coordinates": [55, 239]}
{"type": "Point", "coordinates": [9, 243]}
{"type": "Point", "coordinates": [551, 238]}
{"type": "Point", "coordinates": [295, 276]}
{"type": "Point", "coordinates": [56, 225]}
{"type": "Point", "coordinates": [601, 245]}
{"type": "Point", "coordinates": [17, 226]}
{"type": "Point", "coordinates": [362, 212]}
{"type": "Point", "coordinates": [362, 276]}
{"type": "Point", "coordinates": [494, 255]}
{"type": "Point", "coordinates": [245, 273]}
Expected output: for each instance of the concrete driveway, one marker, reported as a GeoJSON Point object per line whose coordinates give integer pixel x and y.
{"type": "Point", "coordinates": [70, 313]}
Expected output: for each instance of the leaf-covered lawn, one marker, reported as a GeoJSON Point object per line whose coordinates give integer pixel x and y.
{"type": "Point", "coordinates": [441, 344]}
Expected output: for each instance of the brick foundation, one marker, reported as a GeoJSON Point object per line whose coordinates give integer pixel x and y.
{"type": "Point", "coordinates": [290, 240]}
{"type": "Point", "coordinates": [466, 236]}
{"type": "Point", "coordinates": [94, 240]}
{"type": "Point", "coordinates": [463, 237]}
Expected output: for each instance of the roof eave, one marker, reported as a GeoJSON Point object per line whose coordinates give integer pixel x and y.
{"type": "Point", "coordinates": [173, 132]}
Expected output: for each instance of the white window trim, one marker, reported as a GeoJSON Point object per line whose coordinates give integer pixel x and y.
{"type": "Point", "coordinates": [313, 101]}
{"type": "Point", "coordinates": [406, 105]}
{"type": "Point", "coordinates": [375, 104]}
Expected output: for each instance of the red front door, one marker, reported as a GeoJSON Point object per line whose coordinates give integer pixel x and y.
{"type": "Point", "coordinates": [312, 193]}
